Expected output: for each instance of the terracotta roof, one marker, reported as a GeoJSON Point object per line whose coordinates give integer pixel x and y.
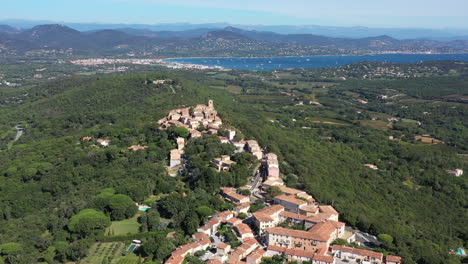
{"type": "Point", "coordinates": [222, 245]}
{"type": "Point", "coordinates": [205, 227]}
{"type": "Point", "coordinates": [302, 253]}
{"type": "Point", "coordinates": [261, 217]}
{"type": "Point", "coordinates": [306, 196]}
{"type": "Point", "coordinates": [214, 261]}
{"type": "Point", "coordinates": [309, 208]}
{"type": "Point", "coordinates": [290, 191]}
{"type": "Point", "coordinates": [393, 258]}
{"type": "Point", "coordinates": [357, 251]}
{"type": "Point", "coordinates": [199, 236]}
{"type": "Point", "coordinates": [175, 259]}
{"type": "Point", "coordinates": [257, 254]}
{"type": "Point", "coordinates": [290, 199]}
{"type": "Point", "coordinates": [327, 209]}
{"type": "Point", "coordinates": [242, 206]}
{"type": "Point", "coordinates": [293, 215]}
{"type": "Point", "coordinates": [276, 248]}
{"type": "Point", "coordinates": [243, 229]}
{"type": "Point", "coordinates": [296, 233]}
{"type": "Point", "coordinates": [234, 221]}
{"type": "Point", "coordinates": [231, 193]}
{"type": "Point", "coordinates": [213, 221]}
{"type": "Point", "coordinates": [265, 215]}
{"type": "Point", "coordinates": [233, 261]}
{"type": "Point", "coordinates": [318, 218]}
{"type": "Point", "coordinates": [273, 182]}
{"type": "Point", "coordinates": [323, 258]}
{"type": "Point", "coordinates": [299, 253]}
{"type": "Point", "coordinates": [224, 214]}
{"type": "Point", "coordinates": [324, 229]}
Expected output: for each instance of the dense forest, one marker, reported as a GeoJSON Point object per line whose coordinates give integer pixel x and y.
{"type": "Point", "coordinates": [59, 194]}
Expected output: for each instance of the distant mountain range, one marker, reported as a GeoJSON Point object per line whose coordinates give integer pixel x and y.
{"type": "Point", "coordinates": [229, 41]}
{"type": "Point", "coordinates": [329, 31]}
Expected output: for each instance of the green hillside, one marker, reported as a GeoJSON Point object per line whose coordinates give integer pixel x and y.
{"type": "Point", "coordinates": [49, 175]}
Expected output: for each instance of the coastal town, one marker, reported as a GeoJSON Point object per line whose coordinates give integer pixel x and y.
{"type": "Point", "coordinates": [292, 226]}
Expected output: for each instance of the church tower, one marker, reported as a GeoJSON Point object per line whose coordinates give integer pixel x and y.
{"type": "Point", "coordinates": [210, 104]}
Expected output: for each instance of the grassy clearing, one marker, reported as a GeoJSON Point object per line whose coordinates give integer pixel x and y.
{"type": "Point", "coordinates": [127, 226]}
{"type": "Point", "coordinates": [377, 124]}
{"type": "Point", "coordinates": [100, 251]}
{"type": "Point", "coordinates": [329, 121]}
{"type": "Point", "coordinates": [234, 89]}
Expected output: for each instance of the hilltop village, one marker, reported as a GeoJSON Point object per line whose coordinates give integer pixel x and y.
{"type": "Point", "coordinates": [293, 225]}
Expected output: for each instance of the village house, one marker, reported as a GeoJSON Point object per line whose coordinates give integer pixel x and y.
{"type": "Point", "coordinates": [256, 256]}
{"type": "Point", "coordinates": [289, 202]}
{"type": "Point", "coordinates": [355, 255]}
{"type": "Point", "coordinates": [292, 218]}
{"type": "Point", "coordinates": [297, 239]}
{"type": "Point", "coordinates": [223, 248]}
{"type": "Point", "coordinates": [235, 261]}
{"type": "Point", "coordinates": [242, 251]}
{"type": "Point", "coordinates": [224, 140]}
{"type": "Point", "coordinates": [137, 147]}
{"type": "Point", "coordinates": [272, 165]}
{"type": "Point", "coordinates": [231, 194]}
{"type": "Point", "coordinates": [309, 210]}
{"type": "Point", "coordinates": [234, 221]}
{"type": "Point", "coordinates": [204, 229]}
{"type": "Point", "coordinates": [242, 208]}
{"type": "Point", "coordinates": [231, 134]}
{"type": "Point", "coordinates": [195, 133]}
{"type": "Point", "coordinates": [202, 242]}
{"type": "Point", "coordinates": [325, 213]}
{"type": "Point", "coordinates": [268, 217]}
{"type": "Point", "coordinates": [372, 166]}
{"type": "Point", "coordinates": [243, 231]}
{"type": "Point", "coordinates": [180, 143]}
{"type": "Point", "coordinates": [175, 158]}
{"type": "Point", "coordinates": [224, 215]}
{"type": "Point", "coordinates": [240, 145]}
{"type": "Point", "coordinates": [214, 261]}
{"type": "Point", "coordinates": [390, 259]}
{"type": "Point", "coordinates": [86, 139]}
{"type": "Point", "coordinates": [331, 229]}
{"type": "Point", "coordinates": [103, 142]}
{"type": "Point", "coordinates": [300, 255]}
{"type": "Point", "coordinates": [456, 172]}
{"type": "Point", "coordinates": [223, 163]}
{"type": "Point", "coordinates": [213, 223]}
{"type": "Point", "coordinates": [272, 181]}
{"type": "Point", "coordinates": [253, 147]}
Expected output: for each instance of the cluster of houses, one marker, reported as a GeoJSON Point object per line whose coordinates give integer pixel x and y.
{"type": "Point", "coordinates": [204, 119]}
{"type": "Point", "coordinates": [269, 231]}
{"type": "Point", "coordinates": [193, 118]}
{"type": "Point", "coordinates": [292, 207]}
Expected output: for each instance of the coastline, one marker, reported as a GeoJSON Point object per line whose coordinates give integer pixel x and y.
{"type": "Point", "coordinates": [310, 56]}
{"type": "Point", "coordinates": [185, 62]}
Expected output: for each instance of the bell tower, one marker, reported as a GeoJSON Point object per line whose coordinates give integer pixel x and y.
{"type": "Point", "coordinates": [210, 103]}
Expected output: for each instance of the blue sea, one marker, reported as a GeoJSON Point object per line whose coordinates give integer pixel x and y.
{"type": "Point", "coordinates": [314, 61]}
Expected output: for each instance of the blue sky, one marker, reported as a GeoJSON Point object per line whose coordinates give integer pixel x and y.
{"type": "Point", "coordinates": [373, 13]}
